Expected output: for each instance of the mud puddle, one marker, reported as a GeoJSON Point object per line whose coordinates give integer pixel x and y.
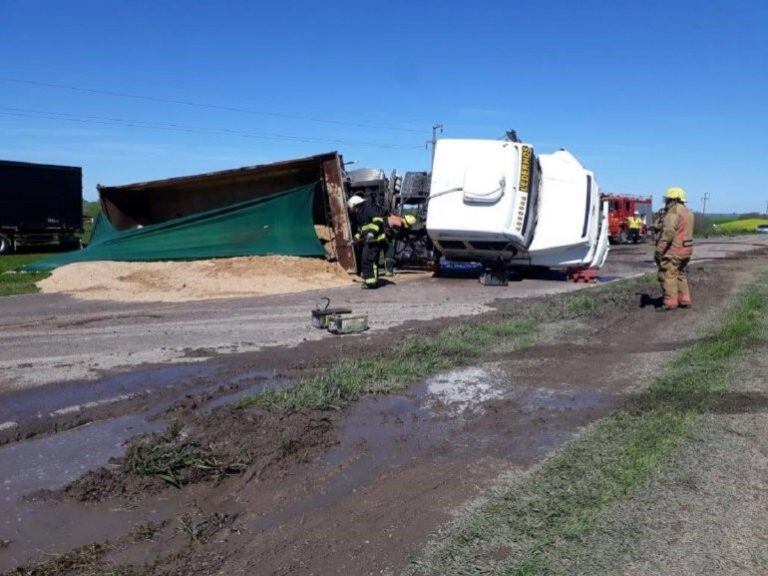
{"type": "Point", "coordinates": [463, 390]}
{"type": "Point", "coordinates": [263, 381]}
{"type": "Point", "coordinates": [30, 525]}
{"type": "Point", "coordinates": [50, 403]}
{"type": "Point", "coordinates": [60, 406]}
{"type": "Point", "coordinates": [49, 463]}
{"type": "Point", "coordinates": [461, 415]}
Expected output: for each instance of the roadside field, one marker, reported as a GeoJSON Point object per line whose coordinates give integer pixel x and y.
{"type": "Point", "coordinates": [746, 226]}
{"type": "Point", "coordinates": [12, 283]}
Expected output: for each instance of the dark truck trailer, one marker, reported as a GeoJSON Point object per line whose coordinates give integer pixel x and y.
{"type": "Point", "coordinates": [39, 204]}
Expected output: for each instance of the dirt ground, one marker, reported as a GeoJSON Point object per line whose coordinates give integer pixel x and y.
{"type": "Point", "coordinates": [361, 491]}
{"type": "Point", "coordinates": [195, 280]}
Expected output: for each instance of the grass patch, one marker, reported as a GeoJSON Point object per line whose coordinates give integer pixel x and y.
{"type": "Point", "coordinates": [413, 360]}
{"type": "Point", "coordinates": [174, 460]}
{"type": "Point", "coordinates": [582, 303]}
{"type": "Point", "coordinates": [527, 526]}
{"type": "Point", "coordinates": [12, 283]}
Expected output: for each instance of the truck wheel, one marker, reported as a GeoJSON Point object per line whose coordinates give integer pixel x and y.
{"type": "Point", "coordinates": [623, 237]}
{"type": "Point", "coordinates": [6, 245]}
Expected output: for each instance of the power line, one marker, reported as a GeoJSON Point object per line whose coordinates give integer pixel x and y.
{"type": "Point", "coordinates": [108, 121]}
{"type": "Point", "coordinates": [207, 106]}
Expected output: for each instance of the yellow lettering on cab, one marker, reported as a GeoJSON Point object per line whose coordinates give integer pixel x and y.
{"type": "Point", "coordinates": [525, 169]}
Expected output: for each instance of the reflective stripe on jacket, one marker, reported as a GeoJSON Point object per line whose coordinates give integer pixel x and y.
{"type": "Point", "coordinates": [676, 237]}
{"type": "Point", "coordinates": [373, 231]}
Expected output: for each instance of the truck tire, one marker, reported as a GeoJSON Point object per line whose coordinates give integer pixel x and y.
{"type": "Point", "coordinates": [6, 244]}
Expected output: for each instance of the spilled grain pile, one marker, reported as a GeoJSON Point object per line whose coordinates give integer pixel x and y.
{"type": "Point", "coordinates": [194, 280]}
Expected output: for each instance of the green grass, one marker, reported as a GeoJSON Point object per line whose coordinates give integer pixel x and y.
{"type": "Point", "coordinates": [411, 361]}
{"type": "Point", "coordinates": [172, 459]}
{"type": "Point", "coordinates": [12, 283]}
{"type": "Point", "coordinates": [529, 524]}
{"type": "Point", "coordinates": [582, 303]}
{"type": "Point", "coordinates": [746, 226]}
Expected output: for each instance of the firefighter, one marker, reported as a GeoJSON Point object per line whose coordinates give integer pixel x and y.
{"type": "Point", "coordinates": [370, 225]}
{"type": "Point", "coordinates": [674, 248]}
{"type": "Point", "coordinates": [635, 225]}
{"type": "Point", "coordinates": [397, 230]}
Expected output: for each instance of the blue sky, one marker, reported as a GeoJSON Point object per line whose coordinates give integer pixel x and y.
{"type": "Point", "coordinates": [647, 94]}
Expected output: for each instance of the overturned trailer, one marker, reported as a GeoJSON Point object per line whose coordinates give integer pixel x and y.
{"type": "Point", "coordinates": [296, 208]}
{"type": "Point", "coordinates": [132, 207]}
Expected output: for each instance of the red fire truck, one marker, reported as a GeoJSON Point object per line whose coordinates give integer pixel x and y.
{"type": "Point", "coordinates": [620, 208]}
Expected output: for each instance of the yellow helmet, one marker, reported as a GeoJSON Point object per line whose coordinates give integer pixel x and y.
{"type": "Point", "coordinates": [675, 193]}
{"type": "Point", "coordinates": [410, 220]}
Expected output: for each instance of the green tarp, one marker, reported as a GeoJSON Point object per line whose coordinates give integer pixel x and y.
{"type": "Point", "coordinates": [277, 224]}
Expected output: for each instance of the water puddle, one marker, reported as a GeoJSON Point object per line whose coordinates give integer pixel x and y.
{"type": "Point", "coordinates": [463, 390]}
{"type": "Point", "coordinates": [378, 434]}
{"type": "Point", "coordinates": [71, 397]}
{"type": "Point", "coordinates": [50, 463]}
{"type": "Point", "coordinates": [558, 400]}
{"type": "Point", "coordinates": [382, 433]}
{"type": "Point", "coordinates": [264, 381]}
{"type": "Point", "coordinates": [467, 413]}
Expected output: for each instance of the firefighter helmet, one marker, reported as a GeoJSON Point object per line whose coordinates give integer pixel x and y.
{"type": "Point", "coordinates": [355, 201]}
{"type": "Point", "coordinates": [675, 193]}
{"type": "Point", "coordinates": [410, 220]}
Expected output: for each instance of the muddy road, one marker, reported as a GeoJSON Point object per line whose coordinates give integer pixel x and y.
{"type": "Point", "coordinates": [55, 338]}
{"type": "Point", "coordinates": [356, 491]}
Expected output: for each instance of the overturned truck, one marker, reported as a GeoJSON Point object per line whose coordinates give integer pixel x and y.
{"type": "Point", "coordinates": [296, 207]}
{"type": "Point", "coordinates": [497, 203]}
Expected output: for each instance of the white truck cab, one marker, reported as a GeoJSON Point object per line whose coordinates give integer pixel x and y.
{"type": "Point", "coordinates": [481, 196]}
{"type": "Point", "coordinates": [497, 203]}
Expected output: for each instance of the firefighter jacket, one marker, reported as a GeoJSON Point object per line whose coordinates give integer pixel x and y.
{"type": "Point", "coordinates": [676, 238]}
{"type": "Point", "coordinates": [634, 222]}
{"type": "Point", "coordinates": [370, 225]}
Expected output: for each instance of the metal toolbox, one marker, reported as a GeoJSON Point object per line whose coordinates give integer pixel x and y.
{"type": "Point", "coordinates": [348, 324]}
{"type": "Point", "coordinates": [321, 317]}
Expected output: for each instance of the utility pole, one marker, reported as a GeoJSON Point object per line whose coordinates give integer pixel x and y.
{"type": "Point", "coordinates": [704, 203]}
{"type": "Point", "coordinates": [433, 142]}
